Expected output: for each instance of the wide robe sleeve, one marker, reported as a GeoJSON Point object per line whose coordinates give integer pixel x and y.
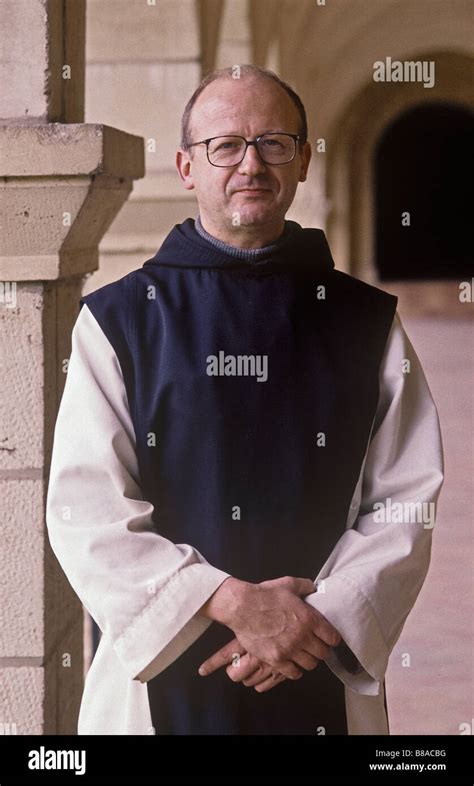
{"type": "Point", "coordinates": [142, 590]}
{"type": "Point", "coordinates": [369, 583]}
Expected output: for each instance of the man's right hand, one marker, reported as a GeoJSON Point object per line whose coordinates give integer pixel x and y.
{"type": "Point", "coordinates": [273, 623]}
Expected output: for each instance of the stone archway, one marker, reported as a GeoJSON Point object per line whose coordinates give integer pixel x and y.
{"type": "Point", "coordinates": [355, 135]}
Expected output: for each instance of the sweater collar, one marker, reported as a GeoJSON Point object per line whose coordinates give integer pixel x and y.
{"type": "Point", "coordinates": [245, 254]}
{"type": "Point", "coordinates": [297, 248]}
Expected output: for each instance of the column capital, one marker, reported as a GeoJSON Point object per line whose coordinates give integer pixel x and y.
{"type": "Point", "coordinates": [63, 185]}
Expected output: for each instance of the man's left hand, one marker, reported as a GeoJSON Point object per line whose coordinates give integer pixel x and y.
{"type": "Point", "coordinates": [242, 667]}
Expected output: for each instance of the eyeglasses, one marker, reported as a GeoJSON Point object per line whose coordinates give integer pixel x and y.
{"type": "Point", "coordinates": [273, 148]}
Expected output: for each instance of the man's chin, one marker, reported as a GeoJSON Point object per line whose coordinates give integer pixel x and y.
{"type": "Point", "coordinates": [254, 214]}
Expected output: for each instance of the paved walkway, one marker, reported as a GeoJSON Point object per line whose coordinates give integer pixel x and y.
{"type": "Point", "coordinates": [435, 694]}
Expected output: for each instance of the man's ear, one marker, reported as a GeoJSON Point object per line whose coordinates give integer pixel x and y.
{"type": "Point", "coordinates": [306, 154]}
{"type": "Point", "coordinates": [184, 167]}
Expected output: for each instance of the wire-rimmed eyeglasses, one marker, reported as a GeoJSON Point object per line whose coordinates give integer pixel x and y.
{"type": "Point", "coordinates": [273, 148]}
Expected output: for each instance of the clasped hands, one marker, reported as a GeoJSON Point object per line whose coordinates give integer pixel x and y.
{"type": "Point", "coordinates": [277, 635]}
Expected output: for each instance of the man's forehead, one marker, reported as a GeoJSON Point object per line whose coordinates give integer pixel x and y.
{"type": "Point", "coordinates": [230, 102]}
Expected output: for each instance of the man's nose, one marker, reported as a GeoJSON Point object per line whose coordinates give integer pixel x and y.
{"type": "Point", "coordinates": [251, 163]}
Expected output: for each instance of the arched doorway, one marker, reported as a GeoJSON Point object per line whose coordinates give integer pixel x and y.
{"type": "Point", "coordinates": [423, 171]}
{"type": "Point", "coordinates": [355, 135]}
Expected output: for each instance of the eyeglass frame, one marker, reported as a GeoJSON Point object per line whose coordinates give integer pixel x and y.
{"type": "Point", "coordinates": [296, 138]}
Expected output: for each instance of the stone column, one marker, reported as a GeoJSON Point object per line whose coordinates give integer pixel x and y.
{"type": "Point", "coordinates": [63, 182]}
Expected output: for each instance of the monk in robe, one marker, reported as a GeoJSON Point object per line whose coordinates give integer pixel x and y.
{"type": "Point", "coordinates": [237, 424]}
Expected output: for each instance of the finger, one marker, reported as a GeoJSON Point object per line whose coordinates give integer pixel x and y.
{"type": "Point", "coordinates": [302, 586]}
{"type": "Point", "coordinates": [261, 674]}
{"type": "Point", "coordinates": [242, 668]}
{"type": "Point", "coordinates": [324, 630]}
{"type": "Point", "coordinates": [316, 647]}
{"type": "Point", "coordinates": [306, 660]}
{"type": "Point", "coordinates": [269, 683]}
{"type": "Point", "coordinates": [222, 657]}
{"type": "Point", "coordinates": [289, 669]}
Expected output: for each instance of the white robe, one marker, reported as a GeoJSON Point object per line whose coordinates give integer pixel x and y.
{"type": "Point", "coordinates": [102, 533]}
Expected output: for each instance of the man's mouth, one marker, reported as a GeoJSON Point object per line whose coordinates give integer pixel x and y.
{"type": "Point", "coordinates": [253, 191]}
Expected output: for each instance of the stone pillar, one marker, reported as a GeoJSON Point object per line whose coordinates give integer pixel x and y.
{"type": "Point", "coordinates": [161, 52]}
{"type": "Point", "coordinates": [63, 182]}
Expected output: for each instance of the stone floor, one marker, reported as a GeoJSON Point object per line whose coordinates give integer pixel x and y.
{"type": "Point", "coordinates": [435, 694]}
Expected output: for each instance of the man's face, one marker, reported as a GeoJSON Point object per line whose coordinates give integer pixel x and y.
{"type": "Point", "coordinates": [246, 107]}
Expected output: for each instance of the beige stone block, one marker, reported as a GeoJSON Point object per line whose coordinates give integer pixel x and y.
{"type": "Point", "coordinates": [38, 39]}
{"type": "Point", "coordinates": [70, 149]}
{"type": "Point", "coordinates": [44, 699]}
{"type": "Point", "coordinates": [144, 99]}
{"type": "Point", "coordinates": [38, 605]}
{"type": "Point", "coordinates": [22, 626]}
{"type": "Point", "coordinates": [64, 187]}
{"type": "Point", "coordinates": [23, 67]}
{"type": "Point", "coordinates": [39, 216]}
{"type": "Point", "coordinates": [35, 342]}
{"type": "Point", "coordinates": [132, 30]}
{"type": "Point", "coordinates": [22, 352]}
{"type": "Point", "coordinates": [54, 226]}
{"type": "Point", "coordinates": [22, 695]}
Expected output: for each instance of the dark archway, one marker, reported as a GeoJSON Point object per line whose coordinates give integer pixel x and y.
{"type": "Point", "coordinates": [424, 166]}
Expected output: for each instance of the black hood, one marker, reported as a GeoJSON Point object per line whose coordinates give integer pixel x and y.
{"type": "Point", "coordinates": [185, 247]}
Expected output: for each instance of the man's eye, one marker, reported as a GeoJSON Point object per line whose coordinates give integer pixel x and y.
{"type": "Point", "coordinates": [227, 146]}
{"type": "Point", "coordinates": [272, 143]}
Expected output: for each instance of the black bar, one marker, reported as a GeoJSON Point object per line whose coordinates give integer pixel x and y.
{"type": "Point", "coordinates": [299, 761]}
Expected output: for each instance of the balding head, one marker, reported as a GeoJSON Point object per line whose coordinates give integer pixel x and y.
{"type": "Point", "coordinates": [237, 73]}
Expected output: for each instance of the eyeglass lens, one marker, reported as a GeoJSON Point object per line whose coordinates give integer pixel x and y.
{"type": "Point", "coordinates": [273, 149]}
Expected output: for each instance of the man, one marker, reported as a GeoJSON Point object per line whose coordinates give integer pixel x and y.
{"type": "Point", "coordinates": [238, 423]}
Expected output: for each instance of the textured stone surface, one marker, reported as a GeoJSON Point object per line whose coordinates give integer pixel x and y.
{"type": "Point", "coordinates": [21, 577]}
{"type": "Point", "coordinates": [38, 39]}
{"type": "Point", "coordinates": [22, 692]}
{"type": "Point", "coordinates": [165, 31]}
{"type": "Point", "coordinates": [22, 371]}
{"type": "Point", "coordinates": [45, 699]}
{"type": "Point", "coordinates": [70, 149]}
{"type": "Point", "coordinates": [22, 69]}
